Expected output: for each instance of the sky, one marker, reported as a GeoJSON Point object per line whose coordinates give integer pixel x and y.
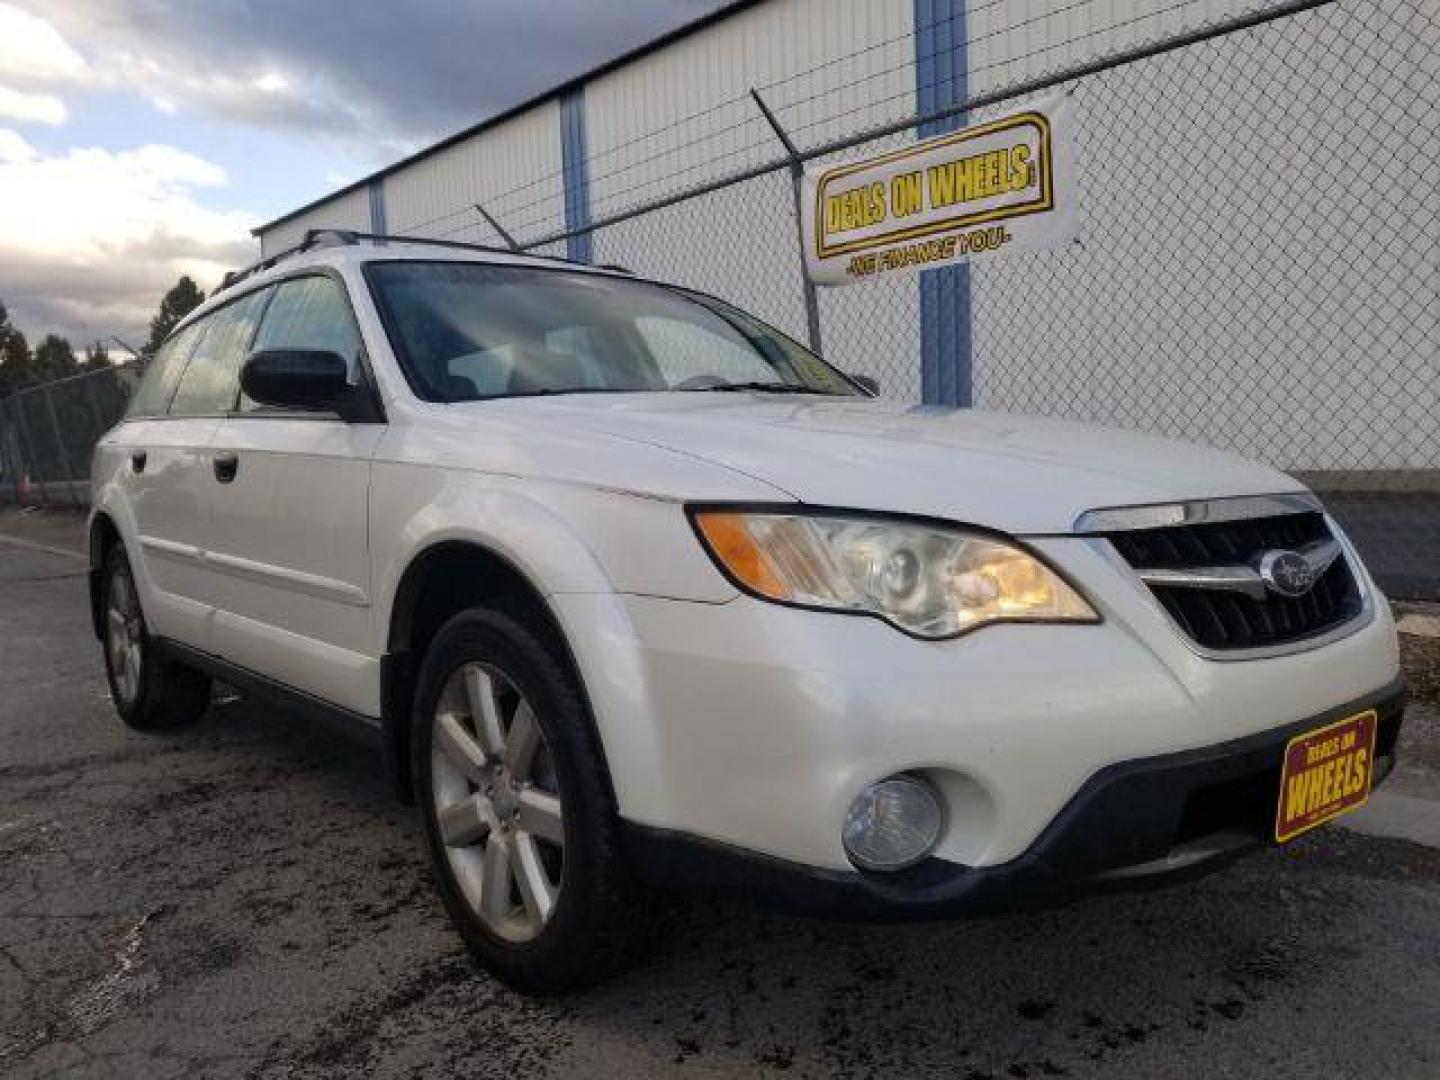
{"type": "Point", "coordinates": [144, 139]}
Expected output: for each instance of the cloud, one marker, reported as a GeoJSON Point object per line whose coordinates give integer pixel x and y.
{"type": "Point", "coordinates": [31, 47]}
{"type": "Point", "coordinates": [31, 108]}
{"type": "Point", "coordinates": [13, 148]}
{"type": "Point", "coordinates": [93, 237]}
{"type": "Point", "coordinates": [90, 237]}
{"type": "Point", "coordinates": [377, 81]}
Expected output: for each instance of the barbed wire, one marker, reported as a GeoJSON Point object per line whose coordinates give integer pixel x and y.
{"type": "Point", "coordinates": [741, 99]}
{"type": "Point", "coordinates": [978, 70]}
{"type": "Point", "coordinates": [501, 202]}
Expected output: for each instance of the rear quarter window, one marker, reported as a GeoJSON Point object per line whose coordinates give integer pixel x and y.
{"type": "Point", "coordinates": [152, 397]}
{"type": "Point", "coordinates": [211, 381]}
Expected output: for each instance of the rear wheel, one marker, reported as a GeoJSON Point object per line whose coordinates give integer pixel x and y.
{"type": "Point", "coordinates": [522, 836]}
{"type": "Point", "coordinates": [149, 690]}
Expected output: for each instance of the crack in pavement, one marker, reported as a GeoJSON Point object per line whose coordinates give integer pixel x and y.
{"type": "Point", "coordinates": [127, 981]}
{"type": "Point", "coordinates": [87, 1010]}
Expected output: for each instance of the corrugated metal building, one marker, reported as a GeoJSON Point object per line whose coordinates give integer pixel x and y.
{"type": "Point", "coordinates": [1204, 294]}
{"type": "Point", "coordinates": [674, 113]}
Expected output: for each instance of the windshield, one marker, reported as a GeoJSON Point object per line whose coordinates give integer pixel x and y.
{"type": "Point", "coordinates": [466, 331]}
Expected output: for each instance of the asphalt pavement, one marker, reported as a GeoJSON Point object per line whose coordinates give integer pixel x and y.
{"type": "Point", "coordinates": [243, 900]}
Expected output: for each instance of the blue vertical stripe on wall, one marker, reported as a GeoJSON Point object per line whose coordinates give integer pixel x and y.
{"type": "Point", "coordinates": [378, 221]}
{"type": "Point", "coordinates": [576, 173]}
{"type": "Point", "coordinates": [941, 79]}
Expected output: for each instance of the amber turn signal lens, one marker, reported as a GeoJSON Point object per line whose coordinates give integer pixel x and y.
{"type": "Point", "coordinates": [735, 549]}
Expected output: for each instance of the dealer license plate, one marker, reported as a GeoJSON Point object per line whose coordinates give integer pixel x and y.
{"type": "Point", "coordinates": [1326, 773]}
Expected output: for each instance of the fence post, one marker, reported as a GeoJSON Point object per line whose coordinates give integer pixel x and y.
{"type": "Point", "coordinates": [32, 462]}
{"type": "Point", "coordinates": [12, 460]}
{"type": "Point", "coordinates": [95, 413]}
{"type": "Point", "coordinates": [60, 443]}
{"type": "Point", "coordinates": [797, 178]}
{"type": "Point", "coordinates": [499, 229]}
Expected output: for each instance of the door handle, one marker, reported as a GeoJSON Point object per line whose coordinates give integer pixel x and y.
{"type": "Point", "coordinates": [137, 461]}
{"type": "Point", "coordinates": [226, 465]}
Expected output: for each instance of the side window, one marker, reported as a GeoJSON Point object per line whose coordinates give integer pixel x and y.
{"type": "Point", "coordinates": [211, 379]}
{"type": "Point", "coordinates": [153, 394]}
{"type": "Point", "coordinates": [308, 313]}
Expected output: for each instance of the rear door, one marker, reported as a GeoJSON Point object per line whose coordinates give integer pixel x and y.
{"type": "Point", "coordinates": [165, 459]}
{"type": "Point", "coordinates": [289, 539]}
{"type": "Point", "coordinates": [183, 485]}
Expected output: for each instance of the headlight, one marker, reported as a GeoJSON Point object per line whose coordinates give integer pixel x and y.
{"type": "Point", "coordinates": [928, 580]}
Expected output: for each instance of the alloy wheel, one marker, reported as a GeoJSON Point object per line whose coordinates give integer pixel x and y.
{"type": "Point", "coordinates": [497, 801]}
{"type": "Point", "coordinates": [124, 636]}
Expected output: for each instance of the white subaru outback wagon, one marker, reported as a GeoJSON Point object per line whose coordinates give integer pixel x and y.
{"type": "Point", "coordinates": [633, 591]}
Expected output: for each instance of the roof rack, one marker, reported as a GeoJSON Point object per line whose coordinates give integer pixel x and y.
{"type": "Point", "coordinates": [318, 238]}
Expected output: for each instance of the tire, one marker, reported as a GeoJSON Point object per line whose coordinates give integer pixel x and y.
{"type": "Point", "coordinates": [150, 691]}
{"type": "Point", "coordinates": [536, 786]}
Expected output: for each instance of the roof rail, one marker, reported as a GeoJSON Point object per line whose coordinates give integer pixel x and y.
{"type": "Point", "coordinates": [318, 238]}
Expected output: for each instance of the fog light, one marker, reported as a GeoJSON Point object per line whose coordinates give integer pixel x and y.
{"type": "Point", "coordinates": [893, 823]}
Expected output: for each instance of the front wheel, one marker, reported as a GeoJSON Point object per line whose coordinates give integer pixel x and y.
{"type": "Point", "coordinates": [149, 691]}
{"type": "Point", "coordinates": [522, 835]}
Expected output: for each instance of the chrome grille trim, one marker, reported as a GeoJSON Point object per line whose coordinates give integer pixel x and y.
{"type": "Point", "coordinates": [1320, 555]}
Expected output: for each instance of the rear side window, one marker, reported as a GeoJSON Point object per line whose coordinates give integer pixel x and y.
{"type": "Point", "coordinates": [212, 378]}
{"type": "Point", "coordinates": [308, 313]}
{"type": "Point", "coordinates": [153, 396]}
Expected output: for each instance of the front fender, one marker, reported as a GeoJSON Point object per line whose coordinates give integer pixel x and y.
{"type": "Point", "coordinates": [632, 543]}
{"type": "Point", "coordinates": [412, 511]}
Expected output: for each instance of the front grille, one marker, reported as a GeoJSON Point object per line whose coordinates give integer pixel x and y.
{"type": "Point", "coordinates": [1222, 619]}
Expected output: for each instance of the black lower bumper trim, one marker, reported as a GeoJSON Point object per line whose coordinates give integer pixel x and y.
{"type": "Point", "coordinates": [1135, 824]}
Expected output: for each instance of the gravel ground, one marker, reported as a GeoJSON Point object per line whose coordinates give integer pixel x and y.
{"type": "Point", "coordinates": [242, 900]}
{"type": "Point", "coordinates": [1421, 658]}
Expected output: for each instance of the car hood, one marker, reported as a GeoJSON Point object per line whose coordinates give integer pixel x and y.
{"type": "Point", "coordinates": [1020, 474]}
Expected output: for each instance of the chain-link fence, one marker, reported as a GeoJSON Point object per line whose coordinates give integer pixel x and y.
{"type": "Point", "coordinates": [48, 432]}
{"type": "Point", "coordinates": [1256, 266]}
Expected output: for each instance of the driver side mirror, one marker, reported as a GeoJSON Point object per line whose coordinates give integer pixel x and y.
{"type": "Point", "coordinates": [311, 380]}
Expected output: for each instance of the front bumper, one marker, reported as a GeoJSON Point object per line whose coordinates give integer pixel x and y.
{"type": "Point", "coordinates": [1133, 824]}
{"type": "Point", "coordinates": [754, 726]}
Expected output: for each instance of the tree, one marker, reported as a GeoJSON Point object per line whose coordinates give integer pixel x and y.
{"type": "Point", "coordinates": [14, 356]}
{"type": "Point", "coordinates": [184, 297]}
{"type": "Point", "coordinates": [54, 359]}
{"type": "Point", "coordinates": [97, 357]}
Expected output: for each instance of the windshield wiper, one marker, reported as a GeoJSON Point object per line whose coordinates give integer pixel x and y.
{"type": "Point", "coordinates": [766, 387]}
{"type": "Point", "coordinates": [551, 391]}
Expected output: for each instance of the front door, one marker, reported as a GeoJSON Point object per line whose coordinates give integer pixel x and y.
{"type": "Point", "coordinates": [288, 527]}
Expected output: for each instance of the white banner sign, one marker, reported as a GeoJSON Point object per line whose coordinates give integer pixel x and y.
{"type": "Point", "coordinates": [1004, 185]}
